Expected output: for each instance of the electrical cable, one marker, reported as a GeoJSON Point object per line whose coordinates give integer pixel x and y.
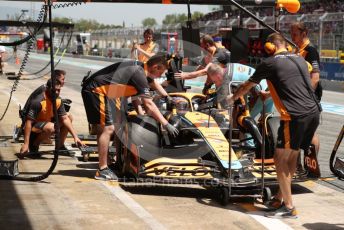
{"type": "Point", "coordinates": [42, 14]}
{"type": "Point", "coordinates": [43, 176]}
{"type": "Point", "coordinates": [63, 53]}
{"type": "Point", "coordinates": [41, 17]}
{"type": "Point", "coordinates": [56, 152]}
{"type": "Point", "coordinates": [56, 52]}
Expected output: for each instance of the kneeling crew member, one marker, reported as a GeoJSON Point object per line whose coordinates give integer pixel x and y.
{"type": "Point", "coordinates": [38, 121]}
{"type": "Point", "coordinates": [122, 79]}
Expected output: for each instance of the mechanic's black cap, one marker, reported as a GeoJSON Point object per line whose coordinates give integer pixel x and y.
{"type": "Point", "coordinates": [222, 58]}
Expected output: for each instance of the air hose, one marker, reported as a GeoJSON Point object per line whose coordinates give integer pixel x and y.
{"type": "Point", "coordinates": [29, 47]}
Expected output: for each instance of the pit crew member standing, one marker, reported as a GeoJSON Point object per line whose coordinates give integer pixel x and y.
{"type": "Point", "coordinates": [299, 35]}
{"type": "Point", "coordinates": [123, 79]}
{"type": "Point", "coordinates": [145, 50]}
{"type": "Point", "coordinates": [207, 43]}
{"type": "Point", "coordinates": [293, 97]}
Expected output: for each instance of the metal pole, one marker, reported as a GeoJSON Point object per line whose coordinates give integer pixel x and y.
{"type": "Point", "coordinates": [53, 79]}
{"type": "Point", "coordinates": [277, 19]}
{"type": "Point", "coordinates": [188, 23]}
{"type": "Point", "coordinates": [320, 35]}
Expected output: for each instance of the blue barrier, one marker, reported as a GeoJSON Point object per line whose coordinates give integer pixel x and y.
{"type": "Point", "coordinates": [332, 71]}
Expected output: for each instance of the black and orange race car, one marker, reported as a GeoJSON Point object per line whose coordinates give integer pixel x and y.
{"type": "Point", "coordinates": [209, 149]}
{"type": "Point", "coordinates": [200, 154]}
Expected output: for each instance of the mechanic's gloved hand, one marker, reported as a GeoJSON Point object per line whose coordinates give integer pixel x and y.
{"type": "Point", "coordinates": [173, 131]}
{"type": "Point", "coordinates": [169, 99]}
{"type": "Point", "coordinates": [205, 88]}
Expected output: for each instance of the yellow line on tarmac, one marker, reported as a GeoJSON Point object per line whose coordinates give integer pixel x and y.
{"type": "Point", "coordinates": [113, 183]}
{"type": "Point", "coordinates": [328, 179]}
{"type": "Point", "coordinates": [309, 183]}
{"type": "Point", "coordinates": [248, 207]}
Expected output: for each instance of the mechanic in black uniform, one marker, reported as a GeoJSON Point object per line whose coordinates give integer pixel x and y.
{"type": "Point", "coordinates": [299, 35]}
{"type": "Point", "coordinates": [122, 79]}
{"type": "Point", "coordinates": [293, 97]}
{"type": "Point", "coordinates": [39, 121]}
{"type": "Point", "coordinates": [60, 75]}
{"type": "Point", "coordinates": [208, 44]}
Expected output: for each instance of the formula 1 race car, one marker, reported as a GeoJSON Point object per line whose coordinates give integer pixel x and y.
{"type": "Point", "coordinates": [199, 154]}
{"type": "Point", "coordinates": [208, 150]}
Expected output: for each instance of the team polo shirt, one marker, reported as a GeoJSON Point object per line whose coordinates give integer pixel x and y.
{"type": "Point", "coordinates": [151, 47]}
{"type": "Point", "coordinates": [289, 92]}
{"type": "Point", "coordinates": [311, 55]}
{"type": "Point", "coordinates": [122, 79]}
{"type": "Point", "coordinates": [41, 108]}
{"type": "Point", "coordinates": [39, 91]}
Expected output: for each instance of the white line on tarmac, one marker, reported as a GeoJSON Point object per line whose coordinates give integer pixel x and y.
{"type": "Point", "coordinates": [137, 209]}
{"type": "Point", "coordinates": [269, 223]}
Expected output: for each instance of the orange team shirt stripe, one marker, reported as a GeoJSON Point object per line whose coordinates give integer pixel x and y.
{"type": "Point", "coordinates": [102, 109]}
{"type": "Point", "coordinates": [302, 50]}
{"type": "Point", "coordinates": [286, 135]}
{"type": "Point", "coordinates": [278, 103]}
{"type": "Point", "coordinates": [116, 90]}
{"type": "Point", "coordinates": [46, 114]}
{"type": "Point", "coordinates": [148, 48]}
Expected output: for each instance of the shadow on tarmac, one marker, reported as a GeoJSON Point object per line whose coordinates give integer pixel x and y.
{"type": "Point", "coordinates": [324, 226]}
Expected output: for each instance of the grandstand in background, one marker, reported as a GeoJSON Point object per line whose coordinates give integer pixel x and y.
{"type": "Point", "coordinates": [324, 18]}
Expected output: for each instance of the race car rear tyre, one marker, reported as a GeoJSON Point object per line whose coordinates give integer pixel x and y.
{"type": "Point", "coordinates": [266, 194]}
{"type": "Point", "coordinates": [124, 153]}
{"type": "Point", "coordinates": [224, 196]}
{"type": "Point", "coordinates": [119, 164]}
{"type": "Point", "coordinates": [144, 132]}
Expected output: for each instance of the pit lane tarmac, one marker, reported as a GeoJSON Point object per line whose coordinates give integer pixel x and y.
{"type": "Point", "coordinates": [71, 199]}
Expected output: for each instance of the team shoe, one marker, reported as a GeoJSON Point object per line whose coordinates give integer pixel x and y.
{"type": "Point", "coordinates": [273, 204]}
{"type": "Point", "coordinates": [33, 148]}
{"type": "Point", "coordinates": [105, 174]}
{"type": "Point", "coordinates": [21, 155]}
{"type": "Point", "coordinates": [282, 212]}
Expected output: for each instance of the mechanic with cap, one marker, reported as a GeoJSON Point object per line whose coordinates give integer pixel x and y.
{"type": "Point", "coordinates": [123, 79]}
{"type": "Point", "coordinates": [208, 44]}
{"type": "Point", "coordinates": [290, 87]}
{"type": "Point", "coordinates": [39, 121]}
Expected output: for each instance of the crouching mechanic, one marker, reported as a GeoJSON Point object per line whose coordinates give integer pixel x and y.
{"type": "Point", "coordinates": [39, 121]}
{"type": "Point", "coordinates": [291, 90]}
{"type": "Point", "coordinates": [122, 79]}
{"type": "Point", "coordinates": [60, 75]}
